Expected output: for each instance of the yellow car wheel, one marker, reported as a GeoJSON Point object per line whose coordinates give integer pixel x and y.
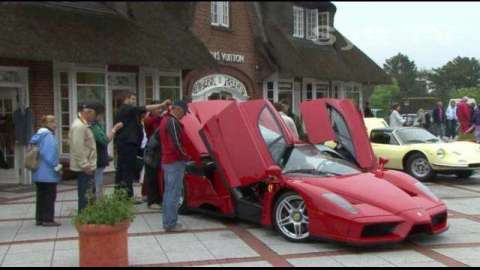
{"type": "Point", "coordinates": [419, 167]}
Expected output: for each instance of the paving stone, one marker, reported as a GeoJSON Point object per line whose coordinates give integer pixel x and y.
{"type": "Point", "coordinates": [145, 250]}
{"type": "Point", "coordinates": [400, 257]}
{"type": "Point", "coordinates": [315, 262]}
{"type": "Point", "coordinates": [66, 245]}
{"type": "Point", "coordinates": [40, 259]}
{"type": "Point", "coordinates": [32, 248]}
{"type": "Point", "coordinates": [461, 254]}
{"type": "Point", "coordinates": [66, 258]}
{"type": "Point", "coordinates": [359, 260]}
{"type": "Point", "coordinates": [248, 264]}
{"type": "Point", "coordinates": [139, 225]}
{"type": "Point", "coordinates": [465, 206]}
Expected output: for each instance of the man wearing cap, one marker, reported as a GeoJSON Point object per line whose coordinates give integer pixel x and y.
{"type": "Point", "coordinates": [83, 152]}
{"type": "Point", "coordinates": [129, 139]}
{"type": "Point", "coordinates": [173, 161]}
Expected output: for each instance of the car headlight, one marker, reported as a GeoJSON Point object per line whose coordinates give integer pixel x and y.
{"type": "Point", "coordinates": [441, 153]}
{"type": "Point", "coordinates": [338, 200]}
{"type": "Point", "coordinates": [426, 190]}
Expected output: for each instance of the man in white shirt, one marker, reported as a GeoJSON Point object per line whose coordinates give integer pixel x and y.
{"type": "Point", "coordinates": [287, 119]}
{"type": "Point", "coordinates": [451, 116]}
{"type": "Point", "coordinates": [396, 119]}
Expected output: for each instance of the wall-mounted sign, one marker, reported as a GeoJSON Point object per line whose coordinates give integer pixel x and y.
{"type": "Point", "coordinates": [228, 57]}
{"type": "Point", "coordinates": [217, 83]}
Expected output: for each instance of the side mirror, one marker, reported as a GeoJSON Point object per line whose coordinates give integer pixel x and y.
{"type": "Point", "coordinates": [274, 171]}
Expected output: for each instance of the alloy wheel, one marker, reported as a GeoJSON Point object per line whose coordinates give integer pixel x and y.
{"type": "Point", "coordinates": [291, 217]}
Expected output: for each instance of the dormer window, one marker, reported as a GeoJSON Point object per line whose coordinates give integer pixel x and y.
{"type": "Point", "coordinates": [311, 24]}
{"type": "Point", "coordinates": [324, 23]}
{"type": "Point", "coordinates": [298, 22]}
{"type": "Point", "coordinates": [220, 13]}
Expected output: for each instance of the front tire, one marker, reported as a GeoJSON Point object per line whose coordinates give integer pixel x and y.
{"type": "Point", "coordinates": [419, 167]}
{"type": "Point", "coordinates": [290, 217]}
{"type": "Point", "coordinates": [464, 174]}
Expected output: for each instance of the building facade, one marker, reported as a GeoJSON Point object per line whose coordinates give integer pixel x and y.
{"type": "Point", "coordinates": [53, 55]}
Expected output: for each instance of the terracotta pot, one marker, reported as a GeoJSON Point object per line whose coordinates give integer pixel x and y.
{"type": "Point", "coordinates": [103, 245]}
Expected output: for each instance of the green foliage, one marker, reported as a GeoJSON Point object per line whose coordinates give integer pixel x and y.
{"type": "Point", "coordinates": [108, 210]}
{"type": "Point", "coordinates": [461, 72]}
{"type": "Point", "coordinates": [471, 92]}
{"type": "Point", "coordinates": [383, 97]}
{"type": "Point", "coordinates": [405, 72]}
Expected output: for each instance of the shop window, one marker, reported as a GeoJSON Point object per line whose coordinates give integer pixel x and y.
{"type": "Point", "coordinates": [285, 92]}
{"type": "Point", "coordinates": [321, 90]}
{"type": "Point", "coordinates": [298, 22]}
{"type": "Point", "coordinates": [353, 92]}
{"type": "Point", "coordinates": [309, 92]}
{"type": "Point", "coordinates": [169, 87]}
{"type": "Point", "coordinates": [90, 87]}
{"type": "Point", "coordinates": [64, 112]}
{"type": "Point", "coordinates": [149, 97]}
{"type": "Point", "coordinates": [220, 13]}
{"type": "Point", "coordinates": [270, 92]}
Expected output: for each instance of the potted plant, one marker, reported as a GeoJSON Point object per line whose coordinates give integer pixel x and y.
{"type": "Point", "coordinates": [103, 230]}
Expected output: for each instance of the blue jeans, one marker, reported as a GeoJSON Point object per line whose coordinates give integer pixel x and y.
{"type": "Point", "coordinates": [85, 185]}
{"type": "Point", "coordinates": [98, 182]}
{"type": "Point", "coordinates": [173, 183]}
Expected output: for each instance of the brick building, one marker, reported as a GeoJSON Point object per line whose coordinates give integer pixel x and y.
{"type": "Point", "coordinates": [55, 54]}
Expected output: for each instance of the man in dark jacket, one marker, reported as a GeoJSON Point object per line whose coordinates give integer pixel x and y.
{"type": "Point", "coordinates": [438, 115]}
{"type": "Point", "coordinates": [128, 140]}
{"type": "Point", "coordinates": [174, 159]}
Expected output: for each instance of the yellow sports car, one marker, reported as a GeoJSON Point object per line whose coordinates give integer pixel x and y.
{"type": "Point", "coordinates": [420, 153]}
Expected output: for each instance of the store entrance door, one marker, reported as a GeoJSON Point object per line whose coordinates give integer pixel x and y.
{"type": "Point", "coordinates": [8, 168]}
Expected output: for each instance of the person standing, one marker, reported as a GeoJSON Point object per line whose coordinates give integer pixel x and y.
{"type": "Point", "coordinates": [83, 152]}
{"type": "Point", "coordinates": [150, 185]}
{"type": "Point", "coordinates": [476, 123]}
{"type": "Point", "coordinates": [47, 175]}
{"type": "Point", "coordinates": [420, 118]}
{"type": "Point", "coordinates": [451, 116]}
{"type": "Point", "coordinates": [367, 112]}
{"type": "Point", "coordinates": [464, 115]}
{"type": "Point", "coordinates": [396, 119]}
{"type": "Point", "coordinates": [102, 139]}
{"type": "Point", "coordinates": [439, 120]}
{"type": "Point", "coordinates": [288, 121]}
{"type": "Point", "coordinates": [173, 162]}
{"type": "Point", "coordinates": [128, 140]}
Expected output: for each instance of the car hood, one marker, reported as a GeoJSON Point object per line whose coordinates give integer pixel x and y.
{"type": "Point", "coordinates": [366, 188]}
{"type": "Point", "coordinates": [462, 152]}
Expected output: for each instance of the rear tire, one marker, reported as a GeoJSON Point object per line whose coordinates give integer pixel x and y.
{"type": "Point", "coordinates": [290, 217]}
{"type": "Point", "coordinates": [464, 174]}
{"type": "Point", "coordinates": [419, 167]}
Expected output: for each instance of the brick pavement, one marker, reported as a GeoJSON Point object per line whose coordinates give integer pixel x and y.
{"type": "Point", "coordinates": [224, 242]}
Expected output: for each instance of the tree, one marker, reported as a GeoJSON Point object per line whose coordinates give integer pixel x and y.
{"type": "Point", "coordinates": [471, 92]}
{"type": "Point", "coordinates": [461, 72]}
{"type": "Point", "coordinates": [404, 71]}
{"type": "Point", "coordinates": [384, 96]}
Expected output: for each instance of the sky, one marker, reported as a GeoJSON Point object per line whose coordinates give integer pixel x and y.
{"type": "Point", "coordinates": [429, 33]}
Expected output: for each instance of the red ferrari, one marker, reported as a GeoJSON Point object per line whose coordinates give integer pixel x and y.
{"type": "Point", "coordinates": [248, 166]}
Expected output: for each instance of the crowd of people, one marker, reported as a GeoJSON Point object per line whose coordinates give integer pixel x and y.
{"type": "Point", "coordinates": [460, 120]}
{"type": "Point", "coordinates": [88, 140]}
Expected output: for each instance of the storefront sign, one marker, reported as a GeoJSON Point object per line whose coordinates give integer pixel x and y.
{"type": "Point", "coordinates": [228, 57]}
{"type": "Point", "coordinates": [219, 82]}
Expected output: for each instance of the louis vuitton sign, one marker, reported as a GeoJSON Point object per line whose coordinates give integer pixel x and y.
{"type": "Point", "coordinates": [228, 57]}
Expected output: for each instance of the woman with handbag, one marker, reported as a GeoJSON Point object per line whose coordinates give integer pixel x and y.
{"type": "Point", "coordinates": [46, 175]}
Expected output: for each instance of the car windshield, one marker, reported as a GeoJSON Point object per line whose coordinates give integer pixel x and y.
{"type": "Point", "coordinates": [317, 160]}
{"type": "Point", "coordinates": [416, 135]}
{"type": "Point", "coordinates": [272, 135]}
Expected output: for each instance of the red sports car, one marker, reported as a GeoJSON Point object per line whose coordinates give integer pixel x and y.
{"type": "Point", "coordinates": [247, 165]}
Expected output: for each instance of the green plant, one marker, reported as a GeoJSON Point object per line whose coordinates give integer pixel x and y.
{"type": "Point", "coordinates": [107, 210]}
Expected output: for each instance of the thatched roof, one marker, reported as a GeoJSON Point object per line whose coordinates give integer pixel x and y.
{"type": "Point", "coordinates": [38, 32]}
{"type": "Point", "coordinates": [303, 58]}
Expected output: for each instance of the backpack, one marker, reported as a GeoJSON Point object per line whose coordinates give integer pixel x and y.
{"type": "Point", "coordinates": [32, 157]}
{"type": "Point", "coordinates": [153, 150]}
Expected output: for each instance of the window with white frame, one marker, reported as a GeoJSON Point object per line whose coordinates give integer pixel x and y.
{"type": "Point", "coordinates": [220, 13]}
{"type": "Point", "coordinates": [321, 90]}
{"type": "Point", "coordinates": [285, 92]}
{"type": "Point", "coordinates": [311, 24]}
{"type": "Point", "coordinates": [298, 22]}
{"type": "Point", "coordinates": [64, 113]}
{"type": "Point", "coordinates": [270, 91]}
{"type": "Point", "coordinates": [323, 25]}
{"type": "Point", "coordinates": [149, 92]}
{"type": "Point", "coordinates": [169, 87]}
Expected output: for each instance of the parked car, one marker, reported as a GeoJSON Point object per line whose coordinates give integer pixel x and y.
{"type": "Point", "coordinates": [420, 153]}
{"type": "Point", "coordinates": [247, 165]}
